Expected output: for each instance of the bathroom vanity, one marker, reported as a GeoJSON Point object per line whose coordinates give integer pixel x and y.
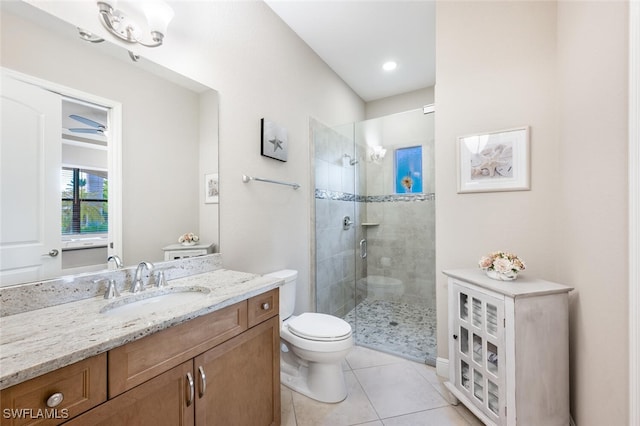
{"type": "Point", "coordinates": [212, 360]}
{"type": "Point", "coordinates": [509, 348]}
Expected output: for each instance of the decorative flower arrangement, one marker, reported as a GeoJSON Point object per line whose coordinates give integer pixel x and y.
{"type": "Point", "coordinates": [188, 239]}
{"type": "Point", "coordinates": [407, 182]}
{"type": "Point", "coordinates": [501, 265]}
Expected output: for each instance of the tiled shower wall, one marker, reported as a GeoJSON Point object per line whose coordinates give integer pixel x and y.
{"type": "Point", "coordinates": [337, 265]}
{"type": "Point", "coordinates": [402, 244]}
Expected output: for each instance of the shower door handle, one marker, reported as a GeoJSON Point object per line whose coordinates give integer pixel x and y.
{"type": "Point", "coordinates": [363, 249]}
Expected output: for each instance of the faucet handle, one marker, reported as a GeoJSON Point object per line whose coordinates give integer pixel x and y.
{"type": "Point", "coordinates": [112, 290]}
{"type": "Point", "coordinates": [161, 280]}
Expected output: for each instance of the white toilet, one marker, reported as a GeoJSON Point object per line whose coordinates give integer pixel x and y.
{"type": "Point", "coordinates": [313, 347]}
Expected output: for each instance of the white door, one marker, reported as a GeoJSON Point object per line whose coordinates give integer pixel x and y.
{"type": "Point", "coordinates": [30, 159]}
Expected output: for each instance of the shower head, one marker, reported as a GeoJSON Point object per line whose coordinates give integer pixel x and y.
{"type": "Point", "coordinates": [352, 161]}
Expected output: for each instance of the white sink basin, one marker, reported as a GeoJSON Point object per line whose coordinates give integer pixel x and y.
{"type": "Point", "coordinates": [150, 301]}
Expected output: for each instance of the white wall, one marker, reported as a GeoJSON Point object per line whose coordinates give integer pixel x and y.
{"type": "Point", "coordinates": [260, 68]}
{"type": "Point", "coordinates": [209, 230]}
{"type": "Point", "coordinates": [592, 209]}
{"type": "Point", "coordinates": [399, 103]}
{"type": "Point", "coordinates": [560, 68]}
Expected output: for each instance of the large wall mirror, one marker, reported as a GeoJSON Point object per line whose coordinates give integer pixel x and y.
{"type": "Point", "coordinates": [164, 125]}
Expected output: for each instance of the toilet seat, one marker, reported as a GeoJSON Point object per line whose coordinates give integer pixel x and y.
{"type": "Point", "coordinates": [319, 327]}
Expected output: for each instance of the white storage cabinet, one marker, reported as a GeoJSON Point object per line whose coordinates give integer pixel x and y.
{"type": "Point", "coordinates": [509, 348]}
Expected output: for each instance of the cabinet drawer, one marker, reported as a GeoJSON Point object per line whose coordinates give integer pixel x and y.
{"type": "Point", "coordinates": [82, 385]}
{"type": "Point", "coordinates": [263, 306]}
{"type": "Point", "coordinates": [141, 360]}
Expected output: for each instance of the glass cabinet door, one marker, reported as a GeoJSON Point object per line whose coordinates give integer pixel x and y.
{"type": "Point", "coordinates": [478, 325]}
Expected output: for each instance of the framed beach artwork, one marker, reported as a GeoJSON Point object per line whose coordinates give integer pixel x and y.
{"type": "Point", "coordinates": [408, 167]}
{"type": "Point", "coordinates": [273, 143]}
{"type": "Point", "coordinates": [494, 161]}
{"type": "Point", "coordinates": [211, 188]}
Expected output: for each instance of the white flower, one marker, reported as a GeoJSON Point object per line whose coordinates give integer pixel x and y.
{"type": "Point", "coordinates": [502, 265]}
{"type": "Point", "coordinates": [502, 262]}
{"type": "Point", "coordinates": [188, 237]}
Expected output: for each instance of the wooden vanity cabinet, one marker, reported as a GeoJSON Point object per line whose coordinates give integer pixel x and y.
{"type": "Point", "coordinates": [54, 397]}
{"type": "Point", "coordinates": [161, 401]}
{"type": "Point", "coordinates": [214, 370]}
{"type": "Point", "coordinates": [243, 379]}
{"type": "Point", "coordinates": [141, 360]}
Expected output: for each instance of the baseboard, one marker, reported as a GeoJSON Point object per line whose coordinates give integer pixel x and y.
{"type": "Point", "coordinates": [442, 367]}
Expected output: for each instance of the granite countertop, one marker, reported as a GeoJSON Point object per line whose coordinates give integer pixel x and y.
{"type": "Point", "coordinates": [39, 341]}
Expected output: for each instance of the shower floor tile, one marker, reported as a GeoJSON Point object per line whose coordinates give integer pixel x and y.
{"type": "Point", "coordinates": [404, 329]}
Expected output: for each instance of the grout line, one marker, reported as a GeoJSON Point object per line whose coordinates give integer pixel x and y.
{"type": "Point", "coordinates": [367, 396]}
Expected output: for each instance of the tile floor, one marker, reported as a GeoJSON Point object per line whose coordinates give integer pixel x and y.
{"type": "Point", "coordinates": [384, 390]}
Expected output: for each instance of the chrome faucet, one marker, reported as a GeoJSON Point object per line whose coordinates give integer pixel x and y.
{"type": "Point", "coordinates": [138, 285]}
{"type": "Point", "coordinates": [116, 259]}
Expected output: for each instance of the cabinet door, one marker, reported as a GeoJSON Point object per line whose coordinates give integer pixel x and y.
{"type": "Point", "coordinates": [52, 398]}
{"type": "Point", "coordinates": [141, 360]}
{"type": "Point", "coordinates": [166, 400]}
{"type": "Point", "coordinates": [238, 382]}
{"type": "Point", "coordinates": [479, 348]}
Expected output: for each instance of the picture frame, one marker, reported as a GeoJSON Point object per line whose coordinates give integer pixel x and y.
{"type": "Point", "coordinates": [494, 161]}
{"type": "Point", "coordinates": [273, 143]}
{"type": "Point", "coordinates": [211, 188]}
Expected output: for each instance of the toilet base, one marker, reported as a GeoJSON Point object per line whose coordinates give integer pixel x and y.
{"type": "Point", "coordinates": [323, 382]}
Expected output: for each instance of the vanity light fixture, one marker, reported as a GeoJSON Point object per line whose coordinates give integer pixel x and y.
{"type": "Point", "coordinates": [390, 66]}
{"type": "Point", "coordinates": [90, 37]}
{"type": "Point", "coordinates": [378, 154]}
{"type": "Point", "coordinates": [124, 26]}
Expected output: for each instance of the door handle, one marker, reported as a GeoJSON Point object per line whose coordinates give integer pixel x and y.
{"type": "Point", "coordinates": [203, 382]}
{"type": "Point", "coordinates": [52, 253]}
{"type": "Point", "coordinates": [189, 383]}
{"type": "Point", "coordinates": [363, 249]}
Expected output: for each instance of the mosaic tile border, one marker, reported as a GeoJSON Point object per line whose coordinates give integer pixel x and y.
{"type": "Point", "coordinates": [325, 194]}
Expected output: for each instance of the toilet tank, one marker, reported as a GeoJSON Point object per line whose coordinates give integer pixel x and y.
{"type": "Point", "coordinates": [287, 291]}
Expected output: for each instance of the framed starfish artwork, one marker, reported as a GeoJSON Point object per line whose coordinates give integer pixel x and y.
{"type": "Point", "coordinates": [494, 161]}
{"type": "Point", "coordinates": [274, 141]}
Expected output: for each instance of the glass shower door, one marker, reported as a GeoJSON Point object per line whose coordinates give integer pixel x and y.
{"type": "Point", "coordinates": [395, 310]}
{"type": "Point", "coordinates": [374, 195]}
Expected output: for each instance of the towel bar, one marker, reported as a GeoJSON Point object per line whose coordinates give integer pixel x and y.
{"type": "Point", "coordinates": [246, 179]}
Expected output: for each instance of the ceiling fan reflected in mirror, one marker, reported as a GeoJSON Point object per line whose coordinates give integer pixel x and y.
{"type": "Point", "coordinates": [94, 127]}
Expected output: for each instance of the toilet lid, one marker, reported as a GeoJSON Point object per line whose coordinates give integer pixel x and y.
{"type": "Point", "coordinates": [315, 326]}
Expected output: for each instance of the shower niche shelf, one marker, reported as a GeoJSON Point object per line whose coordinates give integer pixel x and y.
{"type": "Point", "coordinates": [370, 223]}
{"type": "Point", "coordinates": [509, 348]}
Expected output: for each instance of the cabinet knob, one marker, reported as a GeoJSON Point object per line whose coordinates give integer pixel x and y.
{"type": "Point", "coordinates": [266, 306]}
{"type": "Point", "coordinates": [55, 400]}
{"type": "Point", "coordinates": [455, 336]}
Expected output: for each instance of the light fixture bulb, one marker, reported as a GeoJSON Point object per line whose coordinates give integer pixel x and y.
{"type": "Point", "coordinates": [389, 66]}
{"type": "Point", "coordinates": [158, 14]}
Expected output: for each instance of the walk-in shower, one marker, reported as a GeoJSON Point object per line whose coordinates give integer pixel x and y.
{"type": "Point", "coordinates": [379, 273]}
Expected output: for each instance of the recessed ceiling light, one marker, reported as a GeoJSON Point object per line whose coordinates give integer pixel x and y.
{"type": "Point", "coordinates": [389, 66]}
